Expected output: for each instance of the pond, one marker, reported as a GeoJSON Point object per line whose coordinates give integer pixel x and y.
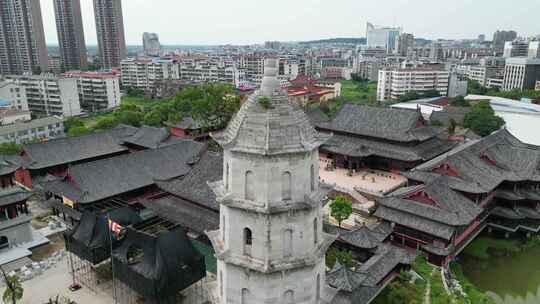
{"type": "Point", "coordinates": [509, 278]}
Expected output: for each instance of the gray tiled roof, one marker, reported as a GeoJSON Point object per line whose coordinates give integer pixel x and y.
{"type": "Point", "coordinates": [109, 177]}
{"type": "Point", "coordinates": [282, 128]}
{"type": "Point", "coordinates": [449, 207]}
{"type": "Point", "coordinates": [365, 236]}
{"type": "Point", "coordinates": [9, 164]}
{"type": "Point", "coordinates": [151, 138]}
{"type": "Point", "coordinates": [362, 147]}
{"type": "Point", "coordinates": [187, 214]}
{"type": "Point", "coordinates": [393, 124]}
{"type": "Point", "coordinates": [416, 222]}
{"type": "Point", "coordinates": [361, 285]}
{"type": "Point", "coordinates": [13, 195]}
{"type": "Point", "coordinates": [194, 186]}
{"type": "Point", "coordinates": [483, 165]}
{"type": "Point", "coordinates": [72, 149]}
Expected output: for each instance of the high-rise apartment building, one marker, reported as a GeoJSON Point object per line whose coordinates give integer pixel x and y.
{"type": "Point", "coordinates": [110, 32]}
{"type": "Point", "coordinates": [151, 44]}
{"type": "Point", "coordinates": [403, 43]}
{"type": "Point", "coordinates": [392, 84]}
{"type": "Point", "coordinates": [500, 37]}
{"type": "Point", "coordinates": [382, 37]}
{"type": "Point", "coordinates": [22, 38]}
{"type": "Point", "coordinates": [70, 35]}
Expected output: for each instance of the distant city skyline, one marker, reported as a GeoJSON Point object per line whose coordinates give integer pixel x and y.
{"type": "Point", "coordinates": [210, 22]}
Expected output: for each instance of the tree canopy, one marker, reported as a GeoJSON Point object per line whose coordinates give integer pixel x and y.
{"type": "Point", "coordinates": [344, 257]}
{"type": "Point", "coordinates": [482, 119]}
{"type": "Point", "coordinates": [341, 209]}
{"type": "Point", "coordinates": [79, 131]}
{"type": "Point", "coordinates": [10, 148]}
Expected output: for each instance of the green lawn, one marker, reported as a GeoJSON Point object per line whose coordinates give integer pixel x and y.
{"type": "Point", "coordinates": [362, 92]}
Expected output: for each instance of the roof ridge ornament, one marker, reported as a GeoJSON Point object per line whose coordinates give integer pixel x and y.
{"type": "Point", "coordinates": [270, 82]}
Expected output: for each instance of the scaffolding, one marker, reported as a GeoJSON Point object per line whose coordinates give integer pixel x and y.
{"type": "Point", "coordinates": [97, 278]}
{"type": "Point", "coordinates": [101, 278]}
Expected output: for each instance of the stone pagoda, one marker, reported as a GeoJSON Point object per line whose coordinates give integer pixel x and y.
{"type": "Point", "coordinates": [270, 245]}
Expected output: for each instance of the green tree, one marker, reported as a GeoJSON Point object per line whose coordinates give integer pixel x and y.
{"type": "Point", "coordinates": [212, 104]}
{"type": "Point", "coordinates": [133, 92]}
{"type": "Point", "coordinates": [341, 209]}
{"type": "Point", "coordinates": [106, 123]}
{"type": "Point", "coordinates": [14, 290]}
{"type": "Point", "coordinates": [344, 257]}
{"type": "Point", "coordinates": [132, 118]}
{"type": "Point", "coordinates": [10, 148]}
{"type": "Point", "coordinates": [72, 122]}
{"type": "Point", "coordinates": [482, 119]}
{"type": "Point", "coordinates": [153, 118]}
{"type": "Point", "coordinates": [78, 131]}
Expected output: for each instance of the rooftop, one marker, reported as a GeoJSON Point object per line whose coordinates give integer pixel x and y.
{"type": "Point", "coordinates": [276, 128]}
{"type": "Point", "coordinates": [35, 123]}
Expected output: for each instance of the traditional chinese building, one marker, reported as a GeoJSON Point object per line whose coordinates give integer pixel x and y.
{"type": "Point", "coordinates": [493, 182]}
{"type": "Point", "coordinates": [381, 138]}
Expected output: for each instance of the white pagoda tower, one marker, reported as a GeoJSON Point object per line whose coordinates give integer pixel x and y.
{"type": "Point", "coordinates": [270, 245]}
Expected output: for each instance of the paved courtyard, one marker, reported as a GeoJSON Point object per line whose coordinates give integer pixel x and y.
{"type": "Point", "coordinates": [370, 181]}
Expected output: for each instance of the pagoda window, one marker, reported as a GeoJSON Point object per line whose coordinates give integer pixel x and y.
{"type": "Point", "coordinates": [286, 186]}
{"type": "Point", "coordinates": [245, 296]}
{"type": "Point", "coordinates": [287, 243]}
{"type": "Point", "coordinates": [248, 241]}
{"type": "Point", "coordinates": [288, 297]}
{"type": "Point", "coordinates": [250, 186]}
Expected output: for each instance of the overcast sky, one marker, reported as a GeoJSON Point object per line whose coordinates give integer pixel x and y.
{"type": "Point", "coordinates": [191, 22]}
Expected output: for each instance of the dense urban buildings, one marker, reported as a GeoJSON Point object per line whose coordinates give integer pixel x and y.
{"type": "Point", "coordinates": [110, 32]}
{"type": "Point", "coordinates": [145, 73]}
{"type": "Point", "coordinates": [70, 30]}
{"type": "Point", "coordinates": [22, 37]}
